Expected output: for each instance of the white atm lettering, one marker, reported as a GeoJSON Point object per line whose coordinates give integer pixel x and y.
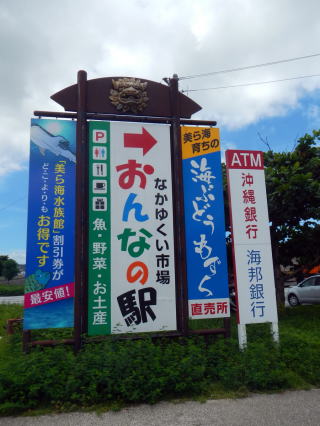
{"type": "Point", "coordinates": [246, 159]}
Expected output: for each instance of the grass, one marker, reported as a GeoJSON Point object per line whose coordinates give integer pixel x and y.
{"type": "Point", "coordinates": [13, 287]}
{"type": "Point", "coordinates": [8, 312]}
{"type": "Point", "coordinates": [111, 374]}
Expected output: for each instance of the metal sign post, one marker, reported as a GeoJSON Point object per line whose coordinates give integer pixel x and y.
{"type": "Point", "coordinates": [81, 234]}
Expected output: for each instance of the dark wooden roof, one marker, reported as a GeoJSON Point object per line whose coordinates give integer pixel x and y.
{"type": "Point", "coordinates": [98, 92]}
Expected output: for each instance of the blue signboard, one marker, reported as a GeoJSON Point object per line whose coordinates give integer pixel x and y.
{"type": "Point", "coordinates": [49, 285]}
{"type": "Point", "coordinates": [207, 272]}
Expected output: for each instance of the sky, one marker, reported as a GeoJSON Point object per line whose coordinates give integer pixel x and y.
{"type": "Point", "coordinates": [43, 44]}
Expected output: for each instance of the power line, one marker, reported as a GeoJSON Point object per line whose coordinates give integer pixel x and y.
{"type": "Point", "coordinates": [251, 84]}
{"type": "Point", "coordinates": [249, 67]}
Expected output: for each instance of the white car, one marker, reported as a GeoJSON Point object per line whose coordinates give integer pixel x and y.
{"type": "Point", "coordinates": [308, 291]}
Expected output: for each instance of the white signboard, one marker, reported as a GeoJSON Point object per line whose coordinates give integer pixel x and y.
{"type": "Point", "coordinates": [131, 196]}
{"type": "Point", "coordinates": [254, 277]}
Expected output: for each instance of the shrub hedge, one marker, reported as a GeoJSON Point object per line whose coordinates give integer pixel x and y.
{"type": "Point", "coordinates": [142, 371]}
{"type": "Point", "coordinates": [11, 289]}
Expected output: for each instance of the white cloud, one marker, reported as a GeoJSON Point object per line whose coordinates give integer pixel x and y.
{"type": "Point", "coordinates": [18, 255]}
{"type": "Point", "coordinates": [13, 147]}
{"type": "Point", "coordinates": [44, 44]}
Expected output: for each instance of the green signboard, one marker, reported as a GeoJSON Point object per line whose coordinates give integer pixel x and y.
{"type": "Point", "coordinates": [99, 280]}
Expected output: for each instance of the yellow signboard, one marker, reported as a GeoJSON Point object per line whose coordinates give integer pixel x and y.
{"type": "Point", "coordinates": [199, 141]}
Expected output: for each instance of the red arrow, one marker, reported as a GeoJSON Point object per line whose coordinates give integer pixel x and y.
{"type": "Point", "coordinates": [136, 140]}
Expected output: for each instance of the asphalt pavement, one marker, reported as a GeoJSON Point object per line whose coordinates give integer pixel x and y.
{"type": "Point", "coordinates": [11, 300]}
{"type": "Point", "coordinates": [294, 408]}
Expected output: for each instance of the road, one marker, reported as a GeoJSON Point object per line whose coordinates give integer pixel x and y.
{"type": "Point", "coordinates": [19, 299]}
{"type": "Point", "coordinates": [289, 408]}
{"type": "Point", "coordinates": [12, 300]}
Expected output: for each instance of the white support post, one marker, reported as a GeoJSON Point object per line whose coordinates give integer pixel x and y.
{"type": "Point", "coordinates": [275, 332]}
{"type": "Point", "coordinates": [242, 336]}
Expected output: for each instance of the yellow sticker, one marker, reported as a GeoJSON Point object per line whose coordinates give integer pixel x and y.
{"type": "Point", "coordinates": [197, 141]}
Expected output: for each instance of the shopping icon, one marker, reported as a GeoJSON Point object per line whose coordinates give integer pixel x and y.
{"type": "Point", "coordinates": [99, 204]}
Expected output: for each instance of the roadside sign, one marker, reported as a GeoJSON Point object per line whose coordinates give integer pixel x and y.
{"type": "Point", "coordinates": [116, 243]}
{"type": "Point", "coordinates": [254, 276]}
{"type": "Point", "coordinates": [49, 284]}
{"type": "Point", "coordinates": [207, 271]}
{"type": "Point", "coordinates": [131, 249]}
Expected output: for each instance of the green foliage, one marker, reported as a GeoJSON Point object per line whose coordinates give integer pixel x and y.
{"type": "Point", "coordinates": [11, 289]}
{"type": "Point", "coordinates": [293, 193]}
{"type": "Point", "coordinates": [293, 189]}
{"type": "Point", "coordinates": [9, 269]}
{"type": "Point", "coordinates": [112, 373]}
{"type": "Point", "coordinates": [3, 258]}
{"type": "Point", "coordinates": [258, 368]}
{"type": "Point", "coordinates": [8, 312]}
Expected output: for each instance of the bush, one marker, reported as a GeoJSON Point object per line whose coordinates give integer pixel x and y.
{"type": "Point", "coordinates": [259, 367]}
{"type": "Point", "coordinates": [11, 289]}
{"type": "Point", "coordinates": [141, 371]}
{"type": "Point", "coordinates": [132, 371]}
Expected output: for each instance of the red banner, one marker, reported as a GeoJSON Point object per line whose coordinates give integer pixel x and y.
{"type": "Point", "coordinates": [49, 295]}
{"type": "Point", "coordinates": [239, 159]}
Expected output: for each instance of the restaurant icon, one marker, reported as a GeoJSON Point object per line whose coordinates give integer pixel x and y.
{"type": "Point", "coordinates": [99, 169]}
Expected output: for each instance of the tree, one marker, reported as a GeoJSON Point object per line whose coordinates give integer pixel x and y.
{"type": "Point", "coordinates": [10, 269]}
{"type": "Point", "coordinates": [293, 191]}
{"type": "Point", "coordinates": [3, 258]}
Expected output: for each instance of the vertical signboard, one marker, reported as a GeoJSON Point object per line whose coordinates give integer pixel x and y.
{"type": "Point", "coordinates": [99, 316]}
{"type": "Point", "coordinates": [207, 272]}
{"type": "Point", "coordinates": [251, 237]}
{"type": "Point", "coordinates": [49, 284]}
{"type": "Point", "coordinates": [131, 248]}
